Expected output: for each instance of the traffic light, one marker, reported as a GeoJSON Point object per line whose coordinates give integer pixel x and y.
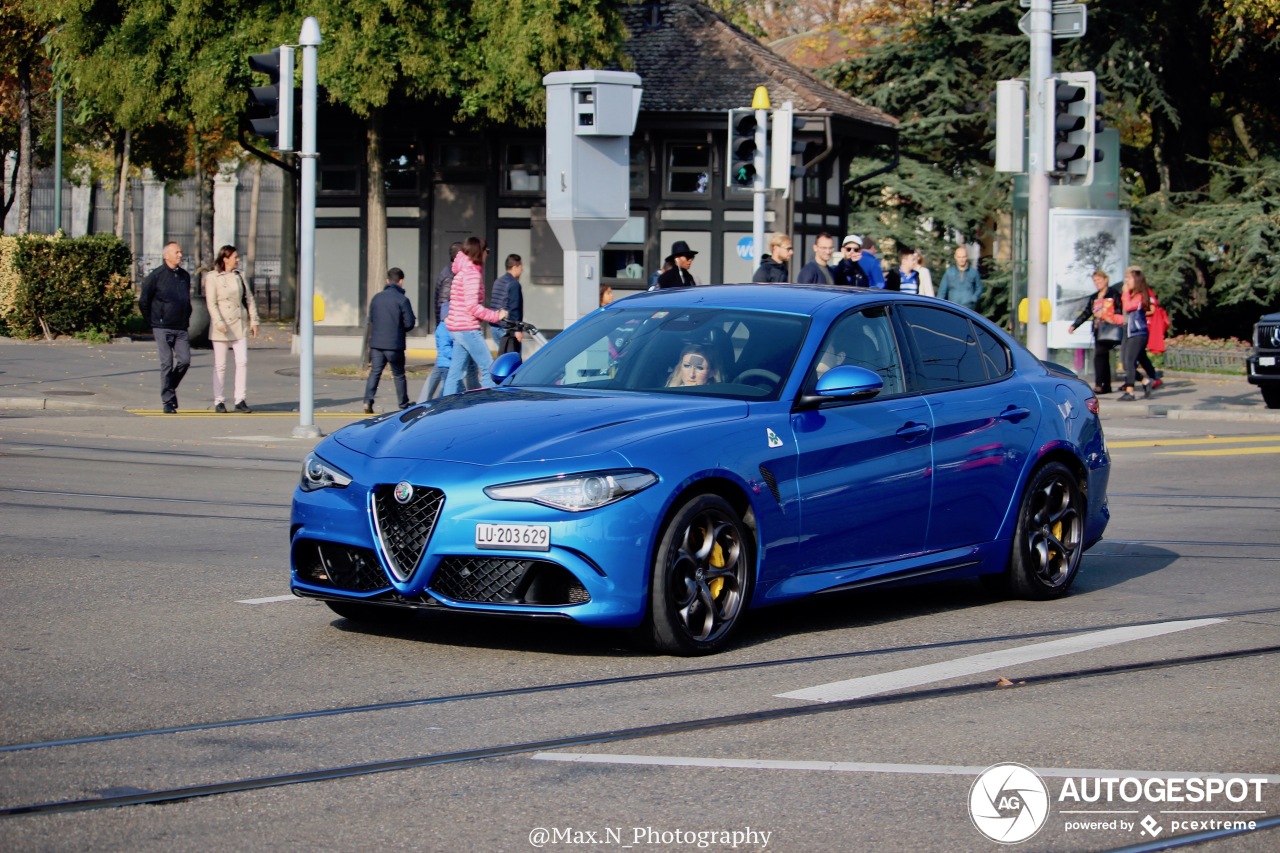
{"type": "Point", "coordinates": [1011, 126]}
{"type": "Point", "coordinates": [742, 149]}
{"type": "Point", "coordinates": [271, 106]}
{"type": "Point", "coordinates": [783, 146]}
{"type": "Point", "coordinates": [1084, 134]}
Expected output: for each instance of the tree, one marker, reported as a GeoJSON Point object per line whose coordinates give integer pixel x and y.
{"type": "Point", "coordinates": [22, 60]}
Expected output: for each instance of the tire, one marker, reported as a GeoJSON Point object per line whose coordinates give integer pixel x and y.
{"type": "Point", "coordinates": [1270, 395]}
{"type": "Point", "coordinates": [703, 573]}
{"type": "Point", "coordinates": [1048, 542]}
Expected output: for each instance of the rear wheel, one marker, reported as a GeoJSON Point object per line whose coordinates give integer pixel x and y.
{"type": "Point", "coordinates": [1048, 543]}
{"type": "Point", "coordinates": [702, 576]}
{"type": "Point", "coordinates": [1271, 395]}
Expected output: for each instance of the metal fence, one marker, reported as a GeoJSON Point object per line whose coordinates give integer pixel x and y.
{"type": "Point", "coordinates": [1205, 360]}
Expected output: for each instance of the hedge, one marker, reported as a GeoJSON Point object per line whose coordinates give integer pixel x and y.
{"type": "Point", "coordinates": [50, 284]}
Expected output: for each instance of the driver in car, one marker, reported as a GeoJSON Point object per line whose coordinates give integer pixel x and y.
{"type": "Point", "coordinates": [695, 367]}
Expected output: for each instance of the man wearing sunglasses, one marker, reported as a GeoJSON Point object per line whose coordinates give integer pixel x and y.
{"type": "Point", "coordinates": [849, 272]}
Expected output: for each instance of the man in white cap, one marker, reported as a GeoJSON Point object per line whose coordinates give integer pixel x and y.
{"type": "Point", "coordinates": [849, 273]}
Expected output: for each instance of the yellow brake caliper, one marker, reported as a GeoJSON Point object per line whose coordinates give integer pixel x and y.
{"type": "Point", "coordinates": [717, 562]}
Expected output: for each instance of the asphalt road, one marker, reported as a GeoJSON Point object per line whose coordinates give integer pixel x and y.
{"type": "Point", "coordinates": [152, 655]}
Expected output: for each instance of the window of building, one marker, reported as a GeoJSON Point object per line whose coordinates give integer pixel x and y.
{"type": "Point", "coordinates": [622, 259]}
{"type": "Point", "coordinates": [639, 168]}
{"type": "Point", "coordinates": [340, 170]}
{"type": "Point", "coordinates": [688, 169]}
{"type": "Point", "coordinates": [461, 154]}
{"type": "Point", "coordinates": [400, 165]}
{"type": "Point", "coordinates": [523, 168]}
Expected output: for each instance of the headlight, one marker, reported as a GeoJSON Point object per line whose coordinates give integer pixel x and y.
{"type": "Point", "coordinates": [576, 492]}
{"type": "Point", "coordinates": [318, 474]}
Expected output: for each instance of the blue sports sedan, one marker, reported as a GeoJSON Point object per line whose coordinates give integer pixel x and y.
{"type": "Point", "coordinates": [674, 460]}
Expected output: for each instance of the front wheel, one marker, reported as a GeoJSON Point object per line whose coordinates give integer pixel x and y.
{"type": "Point", "coordinates": [1048, 543]}
{"type": "Point", "coordinates": [702, 576]}
{"type": "Point", "coordinates": [1270, 395]}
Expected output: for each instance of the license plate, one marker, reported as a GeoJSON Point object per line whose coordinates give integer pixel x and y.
{"type": "Point", "coordinates": [514, 537]}
{"type": "Point", "coordinates": [1267, 360]}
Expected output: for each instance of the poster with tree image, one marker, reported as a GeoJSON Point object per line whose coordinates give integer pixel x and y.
{"type": "Point", "coordinates": [1080, 242]}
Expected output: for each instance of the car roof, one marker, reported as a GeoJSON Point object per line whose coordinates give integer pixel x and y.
{"type": "Point", "coordinates": [791, 298]}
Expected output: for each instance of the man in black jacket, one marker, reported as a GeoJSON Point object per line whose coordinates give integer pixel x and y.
{"type": "Point", "coordinates": [773, 266]}
{"type": "Point", "coordinates": [390, 316]}
{"type": "Point", "coordinates": [166, 304]}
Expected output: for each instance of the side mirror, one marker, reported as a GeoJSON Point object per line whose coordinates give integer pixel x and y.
{"type": "Point", "coordinates": [505, 365]}
{"type": "Point", "coordinates": [846, 383]}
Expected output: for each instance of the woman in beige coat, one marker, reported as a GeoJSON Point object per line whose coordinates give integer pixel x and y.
{"type": "Point", "coordinates": [233, 319]}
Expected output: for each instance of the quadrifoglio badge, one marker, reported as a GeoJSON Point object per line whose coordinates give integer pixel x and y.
{"type": "Point", "coordinates": [1009, 803]}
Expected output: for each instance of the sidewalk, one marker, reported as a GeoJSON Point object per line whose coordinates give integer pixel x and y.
{"type": "Point", "coordinates": [122, 378]}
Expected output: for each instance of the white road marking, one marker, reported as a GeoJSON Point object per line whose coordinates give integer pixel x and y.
{"type": "Point", "coordinates": [915, 676]}
{"type": "Point", "coordinates": [272, 600]}
{"type": "Point", "coordinates": [873, 767]}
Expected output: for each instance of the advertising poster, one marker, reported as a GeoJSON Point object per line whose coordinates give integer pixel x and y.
{"type": "Point", "coordinates": [1081, 241]}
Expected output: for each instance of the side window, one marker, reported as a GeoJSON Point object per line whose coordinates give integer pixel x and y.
{"type": "Point", "coordinates": [994, 354]}
{"type": "Point", "coordinates": [861, 339]}
{"type": "Point", "coordinates": [945, 348]}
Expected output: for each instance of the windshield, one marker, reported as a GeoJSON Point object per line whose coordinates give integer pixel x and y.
{"type": "Point", "coordinates": [745, 355]}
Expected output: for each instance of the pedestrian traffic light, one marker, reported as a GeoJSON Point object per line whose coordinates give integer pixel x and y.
{"type": "Point", "coordinates": [271, 106]}
{"type": "Point", "coordinates": [783, 147]}
{"type": "Point", "coordinates": [742, 149]}
{"type": "Point", "coordinates": [1067, 101]}
{"type": "Point", "coordinates": [1084, 134]}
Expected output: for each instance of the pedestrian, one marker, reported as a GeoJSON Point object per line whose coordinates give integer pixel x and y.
{"type": "Point", "coordinates": [774, 265]}
{"type": "Point", "coordinates": [233, 319]}
{"type": "Point", "coordinates": [1135, 299]}
{"type": "Point", "coordinates": [849, 271]}
{"type": "Point", "coordinates": [444, 357]}
{"type": "Point", "coordinates": [506, 294]}
{"type": "Point", "coordinates": [818, 270]}
{"type": "Point", "coordinates": [390, 316]}
{"type": "Point", "coordinates": [681, 258]}
{"type": "Point", "coordinates": [444, 280]}
{"type": "Point", "coordinates": [870, 263]}
{"type": "Point", "coordinates": [166, 305]}
{"type": "Point", "coordinates": [961, 283]}
{"type": "Point", "coordinates": [926, 277]}
{"type": "Point", "coordinates": [1108, 328]}
{"type": "Point", "coordinates": [466, 310]}
{"type": "Point", "coordinates": [906, 277]}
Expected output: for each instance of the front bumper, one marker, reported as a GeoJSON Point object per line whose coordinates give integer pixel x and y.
{"type": "Point", "coordinates": [1263, 368]}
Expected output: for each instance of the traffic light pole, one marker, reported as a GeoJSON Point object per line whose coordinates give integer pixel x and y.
{"type": "Point", "coordinates": [761, 185]}
{"type": "Point", "coordinates": [1040, 161]}
{"type": "Point", "coordinates": [306, 428]}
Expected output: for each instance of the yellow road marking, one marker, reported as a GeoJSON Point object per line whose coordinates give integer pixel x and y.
{"type": "Point", "coordinates": [158, 413]}
{"type": "Point", "coordinates": [1223, 451]}
{"type": "Point", "coordinates": [1180, 442]}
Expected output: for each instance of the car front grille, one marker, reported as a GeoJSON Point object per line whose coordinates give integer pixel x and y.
{"type": "Point", "coordinates": [340, 566]}
{"type": "Point", "coordinates": [504, 580]}
{"type": "Point", "coordinates": [405, 528]}
{"type": "Point", "coordinates": [1265, 337]}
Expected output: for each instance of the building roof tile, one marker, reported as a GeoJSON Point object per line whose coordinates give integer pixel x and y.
{"type": "Point", "coordinates": [693, 60]}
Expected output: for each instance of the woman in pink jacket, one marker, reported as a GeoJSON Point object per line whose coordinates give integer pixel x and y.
{"type": "Point", "coordinates": [466, 310]}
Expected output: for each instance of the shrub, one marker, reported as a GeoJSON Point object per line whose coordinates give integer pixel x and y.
{"type": "Point", "coordinates": [58, 285]}
{"type": "Point", "coordinates": [1204, 342]}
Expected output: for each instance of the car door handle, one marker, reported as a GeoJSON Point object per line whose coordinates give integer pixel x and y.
{"type": "Point", "coordinates": [913, 431]}
{"type": "Point", "coordinates": [1015, 413]}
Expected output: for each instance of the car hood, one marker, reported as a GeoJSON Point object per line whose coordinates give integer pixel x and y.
{"type": "Point", "coordinates": [510, 425]}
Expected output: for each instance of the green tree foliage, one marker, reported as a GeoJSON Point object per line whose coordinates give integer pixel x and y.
{"type": "Point", "coordinates": [935, 74]}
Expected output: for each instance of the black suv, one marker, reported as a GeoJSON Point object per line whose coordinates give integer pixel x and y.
{"type": "Point", "coordinates": [1264, 365]}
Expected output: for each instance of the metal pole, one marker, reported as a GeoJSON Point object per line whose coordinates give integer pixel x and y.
{"type": "Point", "coordinates": [760, 186]}
{"type": "Point", "coordinates": [57, 168]}
{"type": "Point", "coordinates": [306, 428]}
{"type": "Point", "coordinates": [1040, 162]}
